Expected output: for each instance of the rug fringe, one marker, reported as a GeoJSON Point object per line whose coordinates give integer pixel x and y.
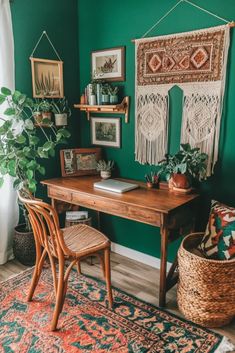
{"type": "Point", "coordinates": [225, 346]}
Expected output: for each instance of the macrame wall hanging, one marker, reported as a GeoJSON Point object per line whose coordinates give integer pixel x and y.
{"type": "Point", "coordinates": [196, 62]}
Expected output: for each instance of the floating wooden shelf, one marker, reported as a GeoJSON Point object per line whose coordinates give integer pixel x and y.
{"type": "Point", "coordinates": [122, 108]}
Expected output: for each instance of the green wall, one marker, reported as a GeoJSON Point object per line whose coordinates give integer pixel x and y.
{"type": "Point", "coordinates": [59, 18]}
{"type": "Point", "coordinates": [106, 24]}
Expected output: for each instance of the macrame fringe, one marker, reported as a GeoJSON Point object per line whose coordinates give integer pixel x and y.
{"type": "Point", "coordinates": [225, 346]}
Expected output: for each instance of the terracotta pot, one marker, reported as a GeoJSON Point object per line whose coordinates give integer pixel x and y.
{"type": "Point", "coordinates": [179, 181]}
{"type": "Point", "coordinates": [24, 246]}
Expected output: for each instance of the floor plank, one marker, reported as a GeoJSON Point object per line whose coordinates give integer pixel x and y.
{"type": "Point", "coordinates": [129, 275]}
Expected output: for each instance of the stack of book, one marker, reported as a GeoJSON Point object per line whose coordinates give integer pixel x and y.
{"type": "Point", "coordinates": [75, 217]}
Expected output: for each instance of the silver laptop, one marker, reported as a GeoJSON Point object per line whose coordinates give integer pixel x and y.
{"type": "Point", "coordinates": [115, 185]}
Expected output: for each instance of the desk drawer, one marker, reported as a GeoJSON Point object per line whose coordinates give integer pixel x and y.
{"type": "Point", "coordinates": [117, 208]}
{"type": "Point", "coordinates": [59, 194]}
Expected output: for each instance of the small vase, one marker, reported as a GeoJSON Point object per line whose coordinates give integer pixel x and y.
{"type": "Point", "coordinates": [98, 93]}
{"type": "Point", "coordinates": [149, 185]}
{"type": "Point", "coordinates": [92, 100]}
{"type": "Point", "coordinates": [105, 174]}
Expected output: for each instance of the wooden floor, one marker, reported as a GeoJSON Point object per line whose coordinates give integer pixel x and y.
{"type": "Point", "coordinates": [128, 275]}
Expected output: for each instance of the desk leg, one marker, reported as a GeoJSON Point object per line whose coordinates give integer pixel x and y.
{"type": "Point", "coordinates": [164, 243]}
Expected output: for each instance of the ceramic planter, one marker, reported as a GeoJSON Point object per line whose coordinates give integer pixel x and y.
{"type": "Point", "coordinates": [92, 100]}
{"type": "Point", "coordinates": [105, 99]}
{"type": "Point", "coordinates": [61, 119]}
{"type": "Point", "coordinates": [105, 174]}
{"type": "Point", "coordinates": [46, 115]}
{"type": "Point", "coordinates": [114, 99]}
{"type": "Point", "coordinates": [179, 182]}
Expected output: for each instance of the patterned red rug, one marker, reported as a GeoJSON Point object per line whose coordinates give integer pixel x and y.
{"type": "Point", "coordinates": [87, 325]}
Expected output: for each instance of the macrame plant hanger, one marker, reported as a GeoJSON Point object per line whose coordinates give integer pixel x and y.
{"type": "Point", "coordinates": [199, 129]}
{"type": "Point", "coordinates": [49, 84]}
{"type": "Point", "coordinates": [231, 23]}
{"type": "Point", "coordinates": [44, 33]}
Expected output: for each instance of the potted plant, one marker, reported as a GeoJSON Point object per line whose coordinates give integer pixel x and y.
{"type": "Point", "coordinates": [45, 107]}
{"type": "Point", "coordinates": [105, 94]}
{"type": "Point", "coordinates": [105, 168]}
{"type": "Point", "coordinates": [37, 113]}
{"type": "Point", "coordinates": [21, 153]}
{"type": "Point", "coordinates": [113, 94]}
{"type": "Point", "coordinates": [186, 166]}
{"type": "Point", "coordinates": [151, 179]}
{"type": "Point", "coordinates": [61, 111]}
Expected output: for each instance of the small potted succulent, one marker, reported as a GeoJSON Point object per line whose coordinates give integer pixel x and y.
{"type": "Point", "coordinates": [113, 94]}
{"type": "Point", "coordinates": [37, 113]}
{"type": "Point", "coordinates": [45, 107]}
{"type": "Point", "coordinates": [105, 168]}
{"type": "Point", "coordinates": [61, 111]}
{"type": "Point", "coordinates": [105, 94]}
{"type": "Point", "coordinates": [183, 168]}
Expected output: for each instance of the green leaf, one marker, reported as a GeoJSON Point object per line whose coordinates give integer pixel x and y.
{"type": "Point", "coordinates": [42, 170]}
{"type": "Point", "coordinates": [17, 183]}
{"type": "Point", "coordinates": [29, 124]}
{"type": "Point", "coordinates": [1, 182]}
{"type": "Point", "coordinates": [2, 99]}
{"type": "Point", "coordinates": [20, 139]}
{"type": "Point", "coordinates": [34, 140]}
{"type": "Point", "coordinates": [12, 167]}
{"type": "Point", "coordinates": [48, 145]}
{"type": "Point", "coordinates": [5, 91]}
{"type": "Point", "coordinates": [32, 185]}
{"type": "Point", "coordinates": [32, 165]}
{"type": "Point", "coordinates": [16, 96]}
{"type": "Point", "coordinates": [22, 99]}
{"type": "Point", "coordinates": [10, 111]}
{"type": "Point", "coordinates": [64, 133]}
{"type": "Point", "coordinates": [42, 153]}
{"type": "Point", "coordinates": [29, 174]}
{"type": "Point", "coordinates": [52, 152]}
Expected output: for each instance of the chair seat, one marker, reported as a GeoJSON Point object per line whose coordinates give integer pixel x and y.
{"type": "Point", "coordinates": [82, 238]}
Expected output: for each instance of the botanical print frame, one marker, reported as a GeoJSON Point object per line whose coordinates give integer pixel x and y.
{"type": "Point", "coordinates": [47, 78]}
{"type": "Point", "coordinates": [106, 132]}
{"type": "Point", "coordinates": [79, 161]}
{"type": "Point", "coordinates": [108, 64]}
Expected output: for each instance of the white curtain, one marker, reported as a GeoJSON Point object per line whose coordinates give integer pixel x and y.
{"type": "Point", "coordinates": [8, 199]}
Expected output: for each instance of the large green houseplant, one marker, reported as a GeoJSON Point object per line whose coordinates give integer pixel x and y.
{"type": "Point", "coordinates": [23, 147]}
{"type": "Point", "coordinates": [184, 168]}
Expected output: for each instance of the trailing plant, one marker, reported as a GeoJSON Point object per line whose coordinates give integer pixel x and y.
{"type": "Point", "coordinates": [189, 161]}
{"type": "Point", "coordinates": [102, 165]}
{"type": "Point", "coordinates": [21, 150]}
{"type": "Point", "coordinates": [45, 106]}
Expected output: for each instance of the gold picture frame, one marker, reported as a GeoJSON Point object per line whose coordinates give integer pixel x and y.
{"type": "Point", "coordinates": [47, 78]}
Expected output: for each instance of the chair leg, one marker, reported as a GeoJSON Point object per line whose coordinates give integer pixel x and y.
{"type": "Point", "coordinates": [102, 263]}
{"type": "Point", "coordinates": [59, 296]}
{"type": "Point", "coordinates": [79, 267]}
{"type": "Point", "coordinates": [36, 274]}
{"type": "Point", "coordinates": [108, 275]}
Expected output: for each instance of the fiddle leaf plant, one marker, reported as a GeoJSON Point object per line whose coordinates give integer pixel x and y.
{"type": "Point", "coordinates": [22, 146]}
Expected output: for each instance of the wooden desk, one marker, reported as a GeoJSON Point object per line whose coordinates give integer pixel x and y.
{"type": "Point", "coordinates": [159, 208]}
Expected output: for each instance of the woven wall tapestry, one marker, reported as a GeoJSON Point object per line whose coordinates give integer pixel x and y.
{"type": "Point", "coordinates": [194, 61]}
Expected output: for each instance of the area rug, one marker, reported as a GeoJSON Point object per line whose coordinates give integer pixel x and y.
{"type": "Point", "coordinates": [87, 325]}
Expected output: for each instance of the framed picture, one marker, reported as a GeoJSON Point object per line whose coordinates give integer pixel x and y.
{"type": "Point", "coordinates": [105, 132]}
{"type": "Point", "coordinates": [47, 78]}
{"type": "Point", "coordinates": [108, 64]}
{"type": "Point", "coordinates": [79, 161]}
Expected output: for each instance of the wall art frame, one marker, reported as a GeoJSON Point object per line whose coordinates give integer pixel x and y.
{"type": "Point", "coordinates": [47, 78]}
{"type": "Point", "coordinates": [106, 131]}
{"type": "Point", "coordinates": [108, 64]}
{"type": "Point", "coordinates": [79, 161]}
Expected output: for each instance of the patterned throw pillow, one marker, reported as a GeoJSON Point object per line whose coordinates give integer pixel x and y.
{"type": "Point", "coordinates": [219, 238]}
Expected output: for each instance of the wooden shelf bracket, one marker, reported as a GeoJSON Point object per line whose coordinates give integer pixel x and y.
{"type": "Point", "coordinates": [122, 108]}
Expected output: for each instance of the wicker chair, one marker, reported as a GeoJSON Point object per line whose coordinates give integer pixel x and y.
{"type": "Point", "coordinates": [68, 244]}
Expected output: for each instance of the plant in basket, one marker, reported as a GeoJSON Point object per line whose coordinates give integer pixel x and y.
{"type": "Point", "coordinates": [22, 152]}
{"type": "Point", "coordinates": [183, 168]}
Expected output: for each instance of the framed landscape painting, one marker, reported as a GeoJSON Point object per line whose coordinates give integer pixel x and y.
{"type": "Point", "coordinates": [79, 161]}
{"type": "Point", "coordinates": [105, 132]}
{"type": "Point", "coordinates": [108, 64]}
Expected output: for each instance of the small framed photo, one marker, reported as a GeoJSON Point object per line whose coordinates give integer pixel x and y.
{"type": "Point", "coordinates": [105, 132]}
{"type": "Point", "coordinates": [79, 161]}
{"type": "Point", "coordinates": [108, 64]}
{"type": "Point", "coordinates": [47, 78]}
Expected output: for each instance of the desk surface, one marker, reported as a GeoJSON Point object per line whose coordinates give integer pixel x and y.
{"type": "Point", "coordinates": [161, 201]}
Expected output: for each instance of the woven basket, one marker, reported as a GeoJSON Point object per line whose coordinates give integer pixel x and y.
{"type": "Point", "coordinates": [206, 289]}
